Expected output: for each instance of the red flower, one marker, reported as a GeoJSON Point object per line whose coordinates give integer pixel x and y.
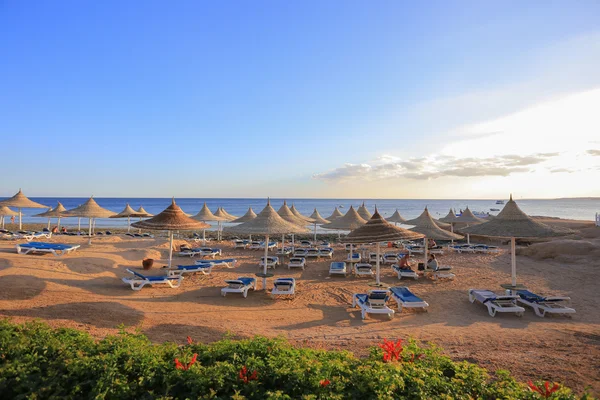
{"type": "Point", "coordinates": [184, 367]}
{"type": "Point", "coordinates": [243, 375]}
{"type": "Point", "coordinates": [391, 350]}
{"type": "Point", "coordinates": [325, 382]}
{"type": "Point", "coordinates": [547, 392]}
{"type": "Point", "coordinates": [189, 340]}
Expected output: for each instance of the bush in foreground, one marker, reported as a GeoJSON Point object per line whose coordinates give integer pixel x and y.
{"type": "Point", "coordinates": [39, 362]}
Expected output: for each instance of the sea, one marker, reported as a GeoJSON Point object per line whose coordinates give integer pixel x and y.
{"type": "Point", "coordinates": [574, 208]}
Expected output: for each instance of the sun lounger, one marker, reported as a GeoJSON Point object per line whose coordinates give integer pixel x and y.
{"type": "Point", "coordinates": [227, 262]}
{"type": "Point", "coordinates": [542, 305]}
{"type": "Point", "coordinates": [240, 244]}
{"type": "Point", "coordinates": [485, 249]}
{"type": "Point", "coordinates": [206, 269]}
{"type": "Point", "coordinates": [139, 281]}
{"type": "Point", "coordinates": [348, 245]}
{"type": "Point", "coordinates": [374, 302]}
{"type": "Point", "coordinates": [496, 302]}
{"type": "Point", "coordinates": [37, 235]}
{"type": "Point", "coordinates": [271, 245]}
{"type": "Point", "coordinates": [363, 269]}
{"type": "Point", "coordinates": [41, 247]}
{"type": "Point", "coordinates": [239, 285]}
{"type": "Point", "coordinates": [461, 248]}
{"type": "Point", "coordinates": [208, 251]}
{"type": "Point", "coordinates": [300, 253]}
{"type": "Point", "coordinates": [353, 258]}
{"type": "Point", "coordinates": [272, 262]}
{"type": "Point", "coordinates": [436, 250]}
{"type": "Point", "coordinates": [390, 258]}
{"type": "Point", "coordinates": [415, 250]}
{"type": "Point", "coordinates": [297, 262]}
{"type": "Point", "coordinates": [325, 252]}
{"type": "Point", "coordinates": [324, 243]}
{"type": "Point", "coordinates": [305, 243]}
{"type": "Point", "coordinates": [284, 286]}
{"type": "Point", "coordinates": [373, 257]}
{"type": "Point", "coordinates": [405, 273]}
{"type": "Point", "coordinates": [443, 272]}
{"type": "Point", "coordinates": [405, 298]}
{"type": "Point", "coordinates": [337, 268]}
{"type": "Point", "coordinates": [255, 245]}
{"type": "Point", "coordinates": [312, 252]}
{"type": "Point", "coordinates": [286, 251]}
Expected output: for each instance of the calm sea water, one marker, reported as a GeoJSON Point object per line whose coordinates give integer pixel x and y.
{"type": "Point", "coordinates": [581, 209]}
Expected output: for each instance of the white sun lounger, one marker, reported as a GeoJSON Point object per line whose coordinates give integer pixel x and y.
{"type": "Point", "coordinates": [461, 248]}
{"type": "Point", "coordinates": [227, 262]}
{"type": "Point", "coordinates": [354, 258]}
{"type": "Point", "coordinates": [286, 251]}
{"type": "Point", "coordinates": [284, 287]}
{"type": "Point", "coordinates": [255, 245]}
{"type": "Point", "coordinates": [485, 249]}
{"type": "Point", "coordinates": [300, 253]}
{"type": "Point", "coordinates": [239, 285]}
{"type": "Point", "coordinates": [240, 244]}
{"type": "Point", "coordinates": [297, 262]}
{"type": "Point", "coordinates": [57, 249]}
{"type": "Point", "coordinates": [390, 258]}
{"type": "Point", "coordinates": [443, 272]}
{"type": "Point", "coordinates": [325, 252]}
{"type": "Point", "coordinates": [324, 243]}
{"type": "Point", "coordinates": [313, 252]}
{"type": "Point", "coordinates": [337, 268]}
{"type": "Point", "coordinates": [404, 273]}
{"type": "Point", "coordinates": [305, 243]}
{"type": "Point", "coordinates": [496, 302]}
{"type": "Point", "coordinates": [374, 302]}
{"type": "Point", "coordinates": [37, 235]}
{"type": "Point", "coordinates": [270, 246]}
{"type": "Point", "coordinates": [405, 298]}
{"type": "Point", "coordinates": [436, 250]}
{"type": "Point", "coordinates": [363, 269]}
{"type": "Point", "coordinates": [542, 305]}
{"type": "Point", "coordinates": [206, 269]}
{"type": "Point", "coordinates": [139, 280]}
{"type": "Point", "coordinates": [373, 257]}
{"type": "Point", "coordinates": [415, 250]}
{"type": "Point", "coordinates": [272, 262]}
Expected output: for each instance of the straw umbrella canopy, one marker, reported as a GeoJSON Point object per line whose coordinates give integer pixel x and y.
{"type": "Point", "coordinates": [467, 217]}
{"type": "Point", "coordinates": [423, 219]}
{"type": "Point", "coordinates": [513, 223]}
{"type": "Point", "coordinates": [428, 227]}
{"type": "Point", "coordinates": [21, 201]}
{"type": "Point", "coordinates": [205, 215]}
{"type": "Point", "coordinates": [249, 216]}
{"type": "Point", "coordinates": [142, 213]}
{"type": "Point", "coordinates": [364, 212]}
{"type": "Point", "coordinates": [269, 223]}
{"type": "Point", "coordinates": [348, 222]}
{"type": "Point", "coordinates": [450, 218]}
{"type": "Point", "coordinates": [317, 220]}
{"type": "Point", "coordinates": [379, 230]}
{"type": "Point", "coordinates": [287, 214]}
{"type": "Point", "coordinates": [90, 209]}
{"type": "Point", "coordinates": [295, 211]}
{"type": "Point", "coordinates": [171, 219]}
{"type": "Point", "coordinates": [396, 218]}
{"type": "Point", "coordinates": [4, 211]}
{"type": "Point", "coordinates": [56, 212]}
{"type": "Point", "coordinates": [334, 215]}
{"type": "Point", "coordinates": [226, 218]}
{"type": "Point", "coordinates": [128, 212]}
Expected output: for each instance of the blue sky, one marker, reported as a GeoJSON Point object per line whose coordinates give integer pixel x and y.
{"type": "Point", "coordinates": [296, 99]}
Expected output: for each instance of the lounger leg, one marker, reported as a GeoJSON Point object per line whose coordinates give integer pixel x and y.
{"type": "Point", "coordinates": [491, 310]}
{"type": "Point", "coordinates": [245, 293]}
{"type": "Point", "coordinates": [353, 301]}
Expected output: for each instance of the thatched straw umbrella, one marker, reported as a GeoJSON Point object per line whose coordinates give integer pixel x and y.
{"type": "Point", "coordinates": [171, 219]}
{"type": "Point", "coordinates": [428, 227]}
{"type": "Point", "coordinates": [334, 215]}
{"type": "Point", "coordinates": [348, 222]}
{"type": "Point", "coordinates": [4, 211]}
{"type": "Point", "coordinates": [143, 213]}
{"type": "Point", "coordinates": [227, 218]}
{"type": "Point", "coordinates": [513, 223]}
{"type": "Point", "coordinates": [249, 216]}
{"type": "Point", "coordinates": [379, 230]}
{"type": "Point", "coordinates": [450, 218]}
{"type": "Point", "coordinates": [56, 212]}
{"type": "Point", "coordinates": [468, 218]}
{"type": "Point", "coordinates": [396, 218]}
{"type": "Point", "coordinates": [364, 212]}
{"type": "Point", "coordinates": [205, 215]}
{"type": "Point", "coordinates": [287, 214]}
{"type": "Point", "coordinates": [21, 201]}
{"type": "Point", "coordinates": [90, 209]}
{"type": "Point", "coordinates": [295, 211]}
{"type": "Point", "coordinates": [268, 223]}
{"type": "Point", "coordinates": [423, 219]}
{"type": "Point", "coordinates": [317, 220]}
{"type": "Point", "coordinates": [128, 212]}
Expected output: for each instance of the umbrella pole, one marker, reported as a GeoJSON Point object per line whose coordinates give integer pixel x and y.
{"type": "Point", "coordinates": [425, 250]}
{"type": "Point", "coordinates": [58, 223]}
{"type": "Point", "coordinates": [20, 219]}
{"type": "Point", "coordinates": [468, 239]}
{"type": "Point", "coordinates": [48, 223]}
{"type": "Point", "coordinates": [3, 222]}
{"type": "Point", "coordinates": [78, 224]}
{"type": "Point", "coordinates": [377, 282]}
{"type": "Point", "coordinates": [265, 262]}
{"type": "Point", "coordinates": [90, 232]}
{"type": "Point", "coordinates": [315, 239]}
{"type": "Point", "coordinates": [351, 259]}
{"type": "Point", "coordinates": [128, 223]}
{"type": "Point", "coordinates": [170, 247]}
{"type": "Point", "coordinates": [452, 231]}
{"type": "Point", "coordinates": [293, 245]}
{"type": "Point", "coordinates": [203, 237]}
{"type": "Point", "coordinates": [282, 242]}
{"type": "Point", "coordinates": [513, 261]}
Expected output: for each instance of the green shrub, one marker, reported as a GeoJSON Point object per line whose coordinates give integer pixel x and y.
{"type": "Point", "coordinates": [38, 362]}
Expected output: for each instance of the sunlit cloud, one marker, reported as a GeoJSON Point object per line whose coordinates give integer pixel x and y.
{"type": "Point", "coordinates": [594, 152]}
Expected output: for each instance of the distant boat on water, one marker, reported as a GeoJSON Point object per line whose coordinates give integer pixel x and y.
{"type": "Point", "coordinates": [494, 209]}
{"type": "Point", "coordinates": [499, 201]}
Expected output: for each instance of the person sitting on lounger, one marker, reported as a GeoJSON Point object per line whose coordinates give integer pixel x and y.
{"type": "Point", "coordinates": [431, 244]}
{"type": "Point", "coordinates": [405, 263]}
{"type": "Point", "coordinates": [55, 229]}
{"type": "Point", "coordinates": [432, 263]}
{"type": "Point", "coordinates": [63, 230]}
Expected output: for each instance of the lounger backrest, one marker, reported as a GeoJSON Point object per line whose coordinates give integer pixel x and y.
{"type": "Point", "coordinates": [136, 274]}
{"type": "Point", "coordinates": [246, 280]}
{"type": "Point", "coordinates": [377, 298]}
{"type": "Point", "coordinates": [527, 295]}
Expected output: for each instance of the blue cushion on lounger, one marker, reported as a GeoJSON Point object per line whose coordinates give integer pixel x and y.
{"type": "Point", "coordinates": [405, 294]}
{"type": "Point", "coordinates": [529, 296]}
{"type": "Point", "coordinates": [246, 280]}
{"type": "Point", "coordinates": [337, 265]}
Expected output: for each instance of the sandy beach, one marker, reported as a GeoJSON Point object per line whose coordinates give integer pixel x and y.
{"type": "Point", "coordinates": [84, 290]}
